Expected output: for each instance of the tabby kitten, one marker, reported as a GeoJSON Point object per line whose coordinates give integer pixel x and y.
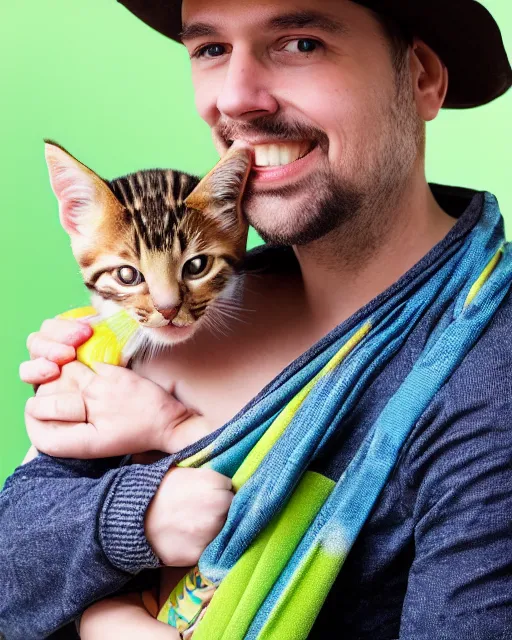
{"type": "Point", "coordinates": [161, 244]}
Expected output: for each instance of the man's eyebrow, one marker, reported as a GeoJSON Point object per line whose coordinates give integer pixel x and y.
{"type": "Point", "coordinates": [197, 30]}
{"type": "Point", "coordinates": [307, 19]}
{"type": "Point", "coordinates": [292, 20]}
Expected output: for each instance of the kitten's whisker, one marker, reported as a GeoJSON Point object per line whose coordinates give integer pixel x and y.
{"type": "Point", "coordinates": [236, 311]}
{"type": "Point", "coordinates": [215, 322]}
{"type": "Point", "coordinates": [226, 315]}
{"type": "Point", "coordinates": [226, 304]}
{"type": "Point", "coordinates": [221, 308]}
{"type": "Point", "coordinates": [228, 325]}
{"type": "Point", "coordinates": [222, 314]}
{"type": "Point", "coordinates": [213, 325]}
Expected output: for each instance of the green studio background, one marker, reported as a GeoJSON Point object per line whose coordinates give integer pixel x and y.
{"type": "Point", "coordinates": [118, 95]}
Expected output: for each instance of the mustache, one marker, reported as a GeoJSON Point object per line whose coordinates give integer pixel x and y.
{"type": "Point", "coordinates": [273, 128]}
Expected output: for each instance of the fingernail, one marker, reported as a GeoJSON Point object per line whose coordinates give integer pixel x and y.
{"type": "Point", "coordinates": [61, 352]}
{"type": "Point", "coordinates": [84, 325]}
{"type": "Point", "coordinates": [50, 370]}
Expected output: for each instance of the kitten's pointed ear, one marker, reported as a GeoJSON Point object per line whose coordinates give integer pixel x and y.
{"type": "Point", "coordinates": [83, 196]}
{"type": "Point", "coordinates": [220, 192]}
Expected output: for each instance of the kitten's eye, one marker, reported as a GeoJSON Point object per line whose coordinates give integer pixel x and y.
{"type": "Point", "coordinates": [129, 275]}
{"type": "Point", "coordinates": [197, 267]}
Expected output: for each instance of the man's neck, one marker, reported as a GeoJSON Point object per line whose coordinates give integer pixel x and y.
{"type": "Point", "coordinates": [347, 269]}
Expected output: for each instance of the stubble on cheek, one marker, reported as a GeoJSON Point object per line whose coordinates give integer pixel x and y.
{"type": "Point", "coordinates": [302, 212]}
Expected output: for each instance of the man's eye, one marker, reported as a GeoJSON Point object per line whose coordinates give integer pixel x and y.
{"type": "Point", "coordinates": [210, 51]}
{"type": "Point", "coordinates": [301, 45]}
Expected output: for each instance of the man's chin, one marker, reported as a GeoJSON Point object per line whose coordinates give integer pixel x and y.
{"type": "Point", "coordinates": [301, 223]}
{"type": "Point", "coordinates": [279, 219]}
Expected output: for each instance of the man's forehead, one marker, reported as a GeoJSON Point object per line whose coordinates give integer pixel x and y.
{"type": "Point", "coordinates": [205, 18]}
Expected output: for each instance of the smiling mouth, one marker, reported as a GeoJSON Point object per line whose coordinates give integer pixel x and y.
{"type": "Point", "coordinates": [281, 153]}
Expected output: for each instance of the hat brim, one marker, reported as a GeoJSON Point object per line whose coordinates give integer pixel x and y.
{"type": "Point", "coordinates": [462, 32]}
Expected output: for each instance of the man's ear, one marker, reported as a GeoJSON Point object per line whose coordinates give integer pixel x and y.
{"type": "Point", "coordinates": [83, 196]}
{"type": "Point", "coordinates": [219, 194]}
{"type": "Point", "coordinates": [430, 80]}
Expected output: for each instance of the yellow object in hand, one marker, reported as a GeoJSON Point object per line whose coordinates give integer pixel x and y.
{"type": "Point", "coordinates": [109, 339]}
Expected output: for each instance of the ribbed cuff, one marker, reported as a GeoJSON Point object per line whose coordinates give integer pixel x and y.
{"type": "Point", "coordinates": [122, 518]}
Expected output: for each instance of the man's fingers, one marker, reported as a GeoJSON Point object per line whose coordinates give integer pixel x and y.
{"type": "Point", "coordinates": [110, 370]}
{"type": "Point", "coordinates": [64, 407]}
{"type": "Point", "coordinates": [105, 370]}
{"type": "Point", "coordinates": [39, 371]}
{"type": "Point", "coordinates": [184, 478]}
{"type": "Point", "coordinates": [61, 439]}
{"type": "Point", "coordinates": [215, 480]}
{"type": "Point", "coordinates": [41, 347]}
{"type": "Point", "coordinates": [82, 375]}
{"type": "Point", "coordinates": [58, 339]}
{"type": "Point", "coordinates": [70, 332]}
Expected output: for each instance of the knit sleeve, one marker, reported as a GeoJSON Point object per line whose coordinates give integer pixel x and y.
{"type": "Point", "coordinates": [61, 539]}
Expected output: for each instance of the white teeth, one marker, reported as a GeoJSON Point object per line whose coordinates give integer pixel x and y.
{"type": "Point", "coordinates": [261, 156]}
{"type": "Point", "coordinates": [274, 155]}
{"type": "Point", "coordinates": [288, 154]}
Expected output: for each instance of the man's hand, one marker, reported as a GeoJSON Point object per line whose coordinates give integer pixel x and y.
{"type": "Point", "coordinates": [187, 512]}
{"type": "Point", "coordinates": [51, 347]}
{"type": "Point", "coordinates": [124, 617]}
{"type": "Point", "coordinates": [109, 413]}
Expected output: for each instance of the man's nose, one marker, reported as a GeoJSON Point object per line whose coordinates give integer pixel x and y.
{"type": "Point", "coordinates": [246, 92]}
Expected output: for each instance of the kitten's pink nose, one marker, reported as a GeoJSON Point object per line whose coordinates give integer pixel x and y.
{"type": "Point", "coordinates": [168, 312]}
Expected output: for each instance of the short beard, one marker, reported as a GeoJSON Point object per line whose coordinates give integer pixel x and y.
{"type": "Point", "coordinates": [333, 204]}
{"type": "Point", "coordinates": [360, 209]}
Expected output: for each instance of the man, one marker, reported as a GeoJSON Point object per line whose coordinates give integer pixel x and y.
{"type": "Point", "coordinates": [352, 91]}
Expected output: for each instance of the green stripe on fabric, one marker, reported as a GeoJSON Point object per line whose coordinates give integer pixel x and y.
{"type": "Point", "coordinates": [295, 612]}
{"type": "Point", "coordinates": [276, 429]}
{"type": "Point", "coordinates": [197, 459]}
{"type": "Point", "coordinates": [244, 589]}
{"type": "Point", "coordinates": [485, 275]}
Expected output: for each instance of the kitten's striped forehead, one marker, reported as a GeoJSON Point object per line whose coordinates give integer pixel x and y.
{"type": "Point", "coordinates": [171, 187]}
{"type": "Point", "coordinates": [155, 198]}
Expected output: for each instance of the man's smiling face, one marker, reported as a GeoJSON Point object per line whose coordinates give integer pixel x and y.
{"type": "Point", "coordinates": [312, 86]}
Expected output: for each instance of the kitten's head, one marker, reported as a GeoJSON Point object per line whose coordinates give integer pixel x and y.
{"type": "Point", "coordinates": [160, 243]}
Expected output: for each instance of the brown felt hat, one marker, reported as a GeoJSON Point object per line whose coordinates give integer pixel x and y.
{"type": "Point", "coordinates": [462, 33]}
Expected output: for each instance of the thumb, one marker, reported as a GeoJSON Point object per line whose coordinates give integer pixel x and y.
{"type": "Point", "coordinates": [62, 439]}
{"type": "Point", "coordinates": [99, 380]}
{"type": "Point", "coordinates": [109, 370]}
{"type": "Point", "coordinates": [78, 373]}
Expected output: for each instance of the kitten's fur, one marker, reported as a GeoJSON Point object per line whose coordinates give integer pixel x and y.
{"type": "Point", "coordinates": [175, 240]}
